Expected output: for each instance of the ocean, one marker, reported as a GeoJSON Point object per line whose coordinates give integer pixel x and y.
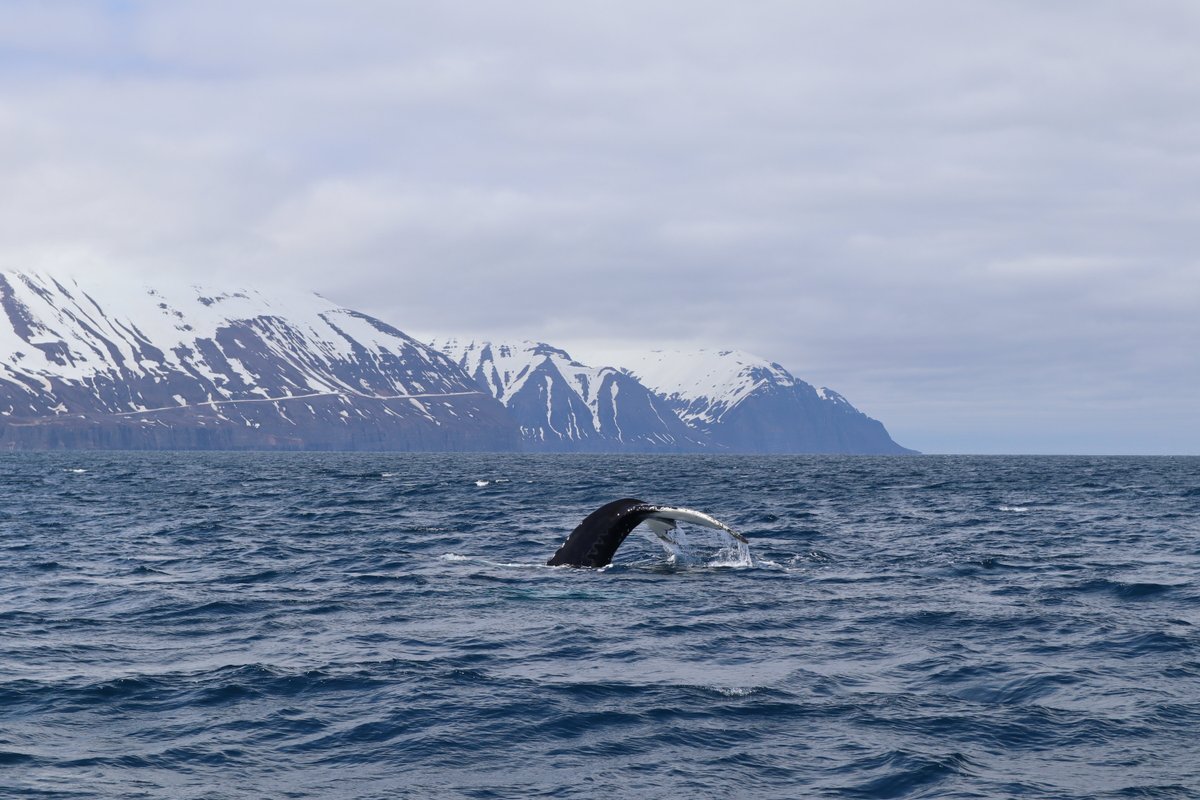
{"type": "Point", "coordinates": [228, 625]}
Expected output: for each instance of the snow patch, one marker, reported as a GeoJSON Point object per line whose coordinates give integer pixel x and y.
{"type": "Point", "coordinates": [707, 383]}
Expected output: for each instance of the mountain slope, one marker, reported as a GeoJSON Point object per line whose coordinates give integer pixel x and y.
{"type": "Point", "coordinates": [184, 367]}
{"type": "Point", "coordinates": [744, 403]}
{"type": "Point", "coordinates": [562, 405]}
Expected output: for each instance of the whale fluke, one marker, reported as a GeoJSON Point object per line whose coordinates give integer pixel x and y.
{"type": "Point", "coordinates": [594, 540]}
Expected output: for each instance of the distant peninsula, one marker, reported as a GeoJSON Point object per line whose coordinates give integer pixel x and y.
{"type": "Point", "coordinates": [192, 368]}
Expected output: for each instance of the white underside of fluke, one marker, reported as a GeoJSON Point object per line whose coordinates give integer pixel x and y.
{"type": "Point", "coordinates": [663, 520]}
{"type": "Point", "coordinates": [661, 528]}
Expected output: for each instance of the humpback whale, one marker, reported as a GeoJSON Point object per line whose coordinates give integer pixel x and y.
{"type": "Point", "coordinates": [594, 540]}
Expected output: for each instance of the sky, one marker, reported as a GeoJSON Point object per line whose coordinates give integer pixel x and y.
{"type": "Point", "coordinates": [978, 221]}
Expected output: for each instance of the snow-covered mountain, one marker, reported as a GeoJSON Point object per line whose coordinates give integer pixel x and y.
{"type": "Point", "coordinates": [743, 403]}
{"type": "Point", "coordinates": [665, 401]}
{"type": "Point", "coordinates": [563, 405]}
{"type": "Point", "coordinates": [107, 366]}
{"type": "Point", "coordinates": [185, 367]}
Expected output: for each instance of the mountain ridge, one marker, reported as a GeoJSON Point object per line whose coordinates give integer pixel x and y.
{"type": "Point", "coordinates": [745, 403]}
{"type": "Point", "coordinates": [727, 401]}
{"type": "Point", "coordinates": [563, 405]}
{"type": "Point", "coordinates": [190, 367]}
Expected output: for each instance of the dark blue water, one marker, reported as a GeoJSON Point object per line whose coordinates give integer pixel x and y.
{"type": "Point", "coordinates": [379, 626]}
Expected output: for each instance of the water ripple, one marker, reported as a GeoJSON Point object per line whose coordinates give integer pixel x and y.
{"type": "Point", "coordinates": [368, 626]}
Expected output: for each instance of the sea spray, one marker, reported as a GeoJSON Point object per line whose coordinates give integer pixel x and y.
{"type": "Point", "coordinates": [733, 552]}
{"type": "Point", "coordinates": [683, 550]}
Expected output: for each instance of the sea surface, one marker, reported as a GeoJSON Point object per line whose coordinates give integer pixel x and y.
{"type": "Point", "coordinates": [195, 625]}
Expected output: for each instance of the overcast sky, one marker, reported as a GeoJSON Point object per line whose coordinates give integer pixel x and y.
{"type": "Point", "coordinates": [980, 221]}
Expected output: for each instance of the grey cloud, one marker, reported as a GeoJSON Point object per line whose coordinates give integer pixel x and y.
{"type": "Point", "coordinates": [976, 220]}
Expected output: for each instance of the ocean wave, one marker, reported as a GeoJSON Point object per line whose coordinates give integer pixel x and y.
{"type": "Point", "coordinates": [236, 625]}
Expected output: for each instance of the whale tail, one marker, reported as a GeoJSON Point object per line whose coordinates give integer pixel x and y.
{"type": "Point", "coordinates": [596, 539]}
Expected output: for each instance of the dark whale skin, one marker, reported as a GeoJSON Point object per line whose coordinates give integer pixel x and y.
{"type": "Point", "coordinates": [594, 540]}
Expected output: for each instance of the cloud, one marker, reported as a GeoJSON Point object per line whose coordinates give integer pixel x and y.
{"type": "Point", "coordinates": [976, 220]}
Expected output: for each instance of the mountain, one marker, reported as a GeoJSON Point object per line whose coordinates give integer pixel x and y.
{"type": "Point", "coordinates": [743, 403]}
{"type": "Point", "coordinates": [184, 367]}
{"type": "Point", "coordinates": [561, 405]}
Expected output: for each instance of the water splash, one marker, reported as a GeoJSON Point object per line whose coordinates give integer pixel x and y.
{"type": "Point", "coordinates": [733, 553]}
{"type": "Point", "coordinates": [675, 545]}
{"type": "Point", "coordinates": [682, 552]}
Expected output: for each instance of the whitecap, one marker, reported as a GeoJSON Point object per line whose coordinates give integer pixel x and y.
{"type": "Point", "coordinates": [481, 484]}
{"type": "Point", "coordinates": [1016, 509]}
